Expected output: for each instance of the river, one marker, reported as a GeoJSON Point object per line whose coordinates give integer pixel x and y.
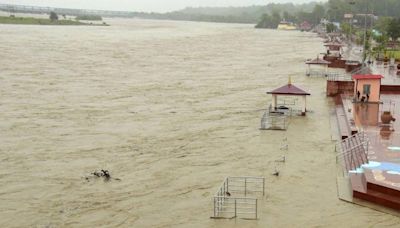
{"type": "Point", "coordinates": [170, 108]}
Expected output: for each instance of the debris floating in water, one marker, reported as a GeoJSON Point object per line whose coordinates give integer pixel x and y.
{"type": "Point", "coordinates": [102, 174]}
{"type": "Point", "coordinates": [283, 159]}
{"type": "Point", "coordinates": [276, 173]}
{"type": "Point", "coordinates": [285, 147]}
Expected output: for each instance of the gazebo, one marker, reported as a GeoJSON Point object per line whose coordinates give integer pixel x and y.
{"type": "Point", "coordinates": [334, 46]}
{"type": "Point", "coordinates": [317, 62]}
{"type": "Point", "coordinates": [289, 90]}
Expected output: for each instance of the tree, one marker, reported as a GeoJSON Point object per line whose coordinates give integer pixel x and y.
{"type": "Point", "coordinates": [268, 21]}
{"type": "Point", "coordinates": [304, 16]}
{"type": "Point", "coordinates": [394, 29]}
{"type": "Point", "coordinates": [346, 29]}
{"type": "Point", "coordinates": [381, 41]}
{"type": "Point", "coordinates": [318, 13]}
{"type": "Point", "coordinates": [265, 21]}
{"type": "Point", "coordinates": [53, 16]}
{"type": "Point", "coordinates": [330, 28]}
{"type": "Point", "coordinates": [276, 19]}
{"type": "Point", "coordinates": [382, 24]}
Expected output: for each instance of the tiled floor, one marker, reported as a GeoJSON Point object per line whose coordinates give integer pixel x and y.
{"type": "Point", "coordinates": [384, 146]}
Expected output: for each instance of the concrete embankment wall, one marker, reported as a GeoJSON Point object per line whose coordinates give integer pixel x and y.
{"type": "Point", "coordinates": [334, 88]}
{"type": "Point", "coordinates": [390, 89]}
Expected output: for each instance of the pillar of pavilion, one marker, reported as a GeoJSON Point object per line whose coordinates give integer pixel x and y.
{"type": "Point", "coordinates": [289, 90]}
{"type": "Point", "coordinates": [317, 62]}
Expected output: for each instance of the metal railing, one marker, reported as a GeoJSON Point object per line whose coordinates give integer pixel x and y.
{"type": "Point", "coordinates": [287, 101]}
{"type": "Point", "coordinates": [246, 185]}
{"type": "Point", "coordinates": [316, 73]}
{"type": "Point", "coordinates": [339, 77]}
{"type": "Point", "coordinates": [287, 110]}
{"type": "Point", "coordinates": [361, 70]}
{"type": "Point", "coordinates": [361, 136]}
{"type": "Point", "coordinates": [352, 152]}
{"type": "Point", "coordinates": [231, 199]}
{"type": "Point", "coordinates": [272, 121]}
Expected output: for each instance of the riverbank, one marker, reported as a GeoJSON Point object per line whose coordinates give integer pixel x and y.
{"type": "Point", "coordinates": [42, 21]}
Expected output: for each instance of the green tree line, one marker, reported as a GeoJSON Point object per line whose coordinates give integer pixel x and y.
{"type": "Point", "coordinates": [267, 15]}
{"type": "Point", "coordinates": [334, 10]}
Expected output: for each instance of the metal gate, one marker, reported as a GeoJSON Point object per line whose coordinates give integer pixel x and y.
{"type": "Point", "coordinates": [231, 199]}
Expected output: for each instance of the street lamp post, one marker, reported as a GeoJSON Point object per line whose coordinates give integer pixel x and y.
{"type": "Point", "coordinates": [365, 34]}
{"type": "Point", "coordinates": [365, 40]}
{"type": "Point", "coordinates": [351, 21]}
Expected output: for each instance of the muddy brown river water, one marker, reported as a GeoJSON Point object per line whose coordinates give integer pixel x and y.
{"type": "Point", "coordinates": [170, 108]}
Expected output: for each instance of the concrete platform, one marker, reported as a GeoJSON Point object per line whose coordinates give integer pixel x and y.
{"type": "Point", "coordinates": [380, 179]}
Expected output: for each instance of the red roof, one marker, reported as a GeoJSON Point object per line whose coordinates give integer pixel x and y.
{"type": "Point", "coordinates": [289, 89]}
{"type": "Point", "coordinates": [367, 76]}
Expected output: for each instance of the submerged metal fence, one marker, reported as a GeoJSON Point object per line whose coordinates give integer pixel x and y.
{"type": "Point", "coordinates": [339, 77]}
{"type": "Point", "coordinates": [270, 121]}
{"type": "Point", "coordinates": [316, 73]}
{"type": "Point", "coordinates": [330, 76]}
{"type": "Point", "coordinates": [231, 199]}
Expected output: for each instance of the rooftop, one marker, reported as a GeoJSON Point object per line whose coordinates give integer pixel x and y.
{"type": "Point", "coordinates": [367, 76]}
{"type": "Point", "coordinates": [289, 89]}
{"type": "Point", "coordinates": [334, 44]}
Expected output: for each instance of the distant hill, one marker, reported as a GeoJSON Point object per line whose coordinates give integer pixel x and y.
{"type": "Point", "coordinates": [249, 14]}
{"type": "Point", "coordinates": [311, 12]}
{"type": "Point", "coordinates": [254, 10]}
{"type": "Point", "coordinates": [265, 16]}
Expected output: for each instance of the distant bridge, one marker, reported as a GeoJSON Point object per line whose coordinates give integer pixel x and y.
{"type": "Point", "coordinates": [63, 11]}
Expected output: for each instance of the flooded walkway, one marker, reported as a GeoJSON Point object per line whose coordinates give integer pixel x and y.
{"type": "Point", "coordinates": [170, 108]}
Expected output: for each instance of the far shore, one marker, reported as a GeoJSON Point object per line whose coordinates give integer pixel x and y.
{"type": "Point", "coordinates": [43, 21]}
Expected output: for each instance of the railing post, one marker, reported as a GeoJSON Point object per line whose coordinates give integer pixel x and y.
{"type": "Point", "coordinates": [245, 186]}
{"type": "Point", "coordinates": [263, 186]}
{"type": "Point", "coordinates": [227, 184]}
{"type": "Point", "coordinates": [235, 209]}
{"type": "Point", "coordinates": [223, 189]}
{"type": "Point", "coordinates": [215, 214]}
{"type": "Point", "coordinates": [256, 208]}
{"type": "Point", "coordinates": [219, 200]}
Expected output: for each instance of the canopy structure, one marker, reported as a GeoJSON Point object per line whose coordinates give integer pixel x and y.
{"type": "Point", "coordinates": [334, 46]}
{"type": "Point", "coordinates": [317, 62]}
{"type": "Point", "coordinates": [289, 90]}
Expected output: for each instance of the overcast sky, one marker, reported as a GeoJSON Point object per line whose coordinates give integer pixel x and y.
{"type": "Point", "coordinates": [144, 5]}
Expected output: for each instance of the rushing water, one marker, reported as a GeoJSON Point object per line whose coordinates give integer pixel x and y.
{"type": "Point", "coordinates": [170, 108]}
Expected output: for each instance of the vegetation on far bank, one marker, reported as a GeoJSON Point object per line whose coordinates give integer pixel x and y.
{"type": "Point", "coordinates": [377, 22]}
{"type": "Point", "coordinates": [333, 10]}
{"type": "Point", "coordinates": [88, 18]}
{"type": "Point", "coordinates": [267, 16]}
{"type": "Point", "coordinates": [40, 21]}
{"type": "Point", "coordinates": [36, 21]}
{"type": "Point", "coordinates": [247, 14]}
